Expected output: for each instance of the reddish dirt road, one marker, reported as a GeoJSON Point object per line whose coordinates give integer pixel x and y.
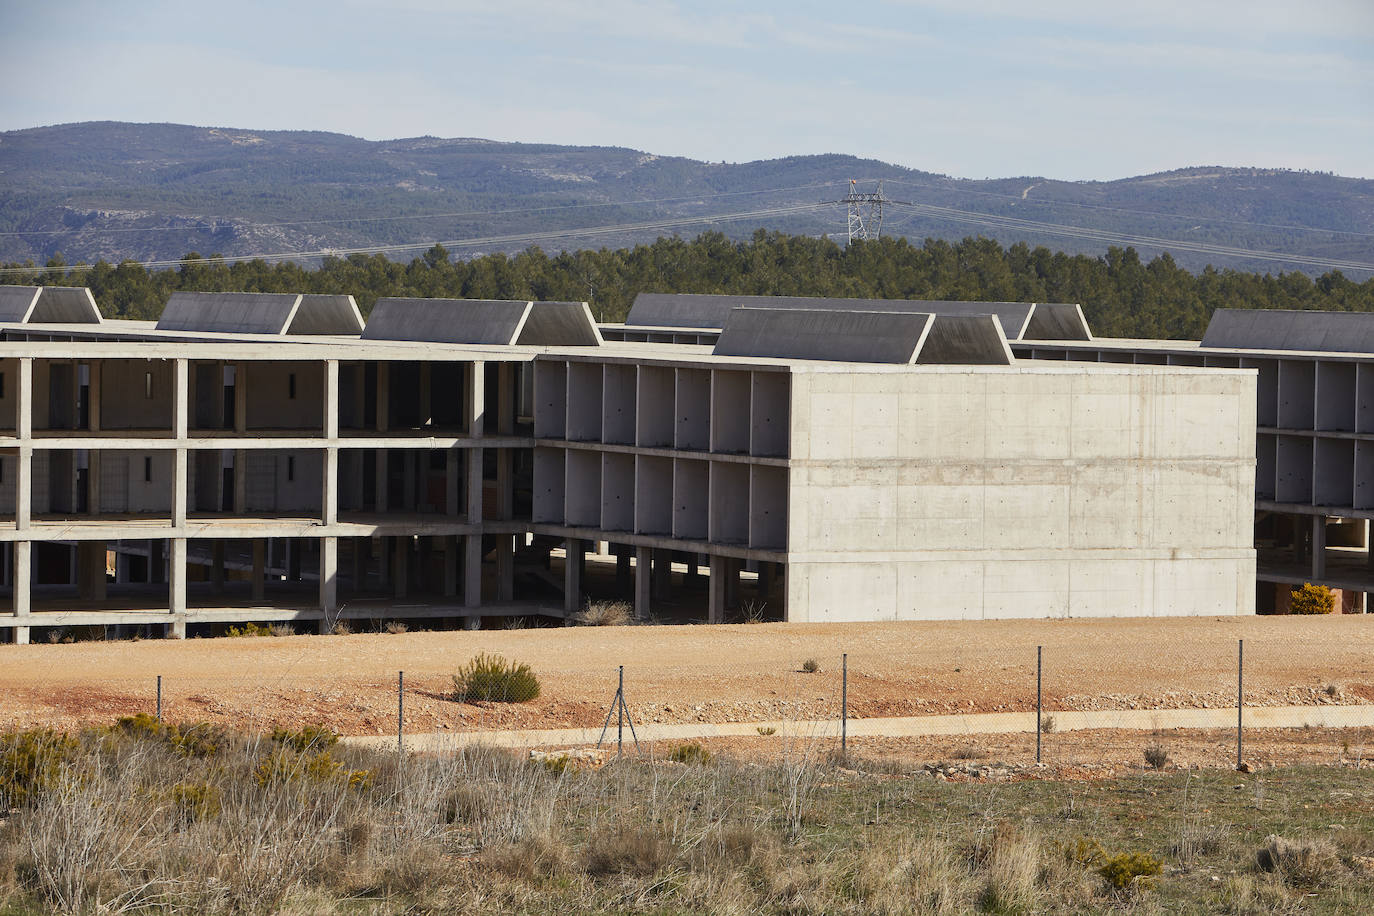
{"type": "Point", "coordinates": [697, 673]}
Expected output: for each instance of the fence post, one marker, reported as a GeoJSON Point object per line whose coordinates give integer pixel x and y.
{"type": "Point", "coordinates": [159, 698]}
{"type": "Point", "coordinates": [844, 704]}
{"type": "Point", "coordinates": [1038, 705]}
{"type": "Point", "coordinates": [1240, 701]}
{"type": "Point", "coordinates": [620, 713]}
{"type": "Point", "coordinates": [400, 710]}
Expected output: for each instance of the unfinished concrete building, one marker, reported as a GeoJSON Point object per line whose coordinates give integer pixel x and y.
{"type": "Point", "coordinates": [275, 458]}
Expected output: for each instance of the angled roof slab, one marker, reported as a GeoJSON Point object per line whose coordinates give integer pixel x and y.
{"type": "Point", "coordinates": [1284, 329]}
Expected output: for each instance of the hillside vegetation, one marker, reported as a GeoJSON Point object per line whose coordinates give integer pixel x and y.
{"type": "Point", "coordinates": [155, 191]}
{"type": "Point", "coordinates": [1121, 294]}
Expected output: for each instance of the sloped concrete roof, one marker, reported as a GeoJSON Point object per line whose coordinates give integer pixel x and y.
{"type": "Point", "coordinates": [48, 305]}
{"type": "Point", "coordinates": [852, 336]}
{"type": "Point", "coordinates": [560, 324]}
{"type": "Point", "coordinates": [17, 302]}
{"type": "Point", "coordinates": [261, 313]}
{"type": "Point", "coordinates": [1055, 321]}
{"type": "Point", "coordinates": [236, 313]}
{"type": "Point", "coordinates": [1038, 321]}
{"type": "Point", "coordinates": [1284, 329]}
{"type": "Point", "coordinates": [322, 314]}
{"type": "Point", "coordinates": [458, 321]}
{"type": "Point", "coordinates": [965, 340]}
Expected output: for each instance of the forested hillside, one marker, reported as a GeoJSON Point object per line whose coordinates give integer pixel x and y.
{"type": "Point", "coordinates": [1122, 295]}
{"type": "Point", "coordinates": [155, 191]}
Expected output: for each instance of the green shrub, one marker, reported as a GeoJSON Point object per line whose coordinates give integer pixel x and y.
{"type": "Point", "coordinates": [31, 762]}
{"type": "Point", "coordinates": [196, 801]}
{"type": "Point", "coordinates": [492, 678]}
{"type": "Point", "coordinates": [1130, 871]}
{"type": "Point", "coordinates": [249, 629]}
{"type": "Point", "coordinates": [287, 765]}
{"type": "Point", "coordinates": [195, 739]}
{"type": "Point", "coordinates": [690, 753]}
{"type": "Point", "coordinates": [1312, 599]}
{"type": "Point", "coordinates": [309, 738]}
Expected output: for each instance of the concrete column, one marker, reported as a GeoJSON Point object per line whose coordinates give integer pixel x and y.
{"type": "Point", "coordinates": [765, 579]}
{"type": "Point", "coordinates": [400, 566]}
{"type": "Point", "coordinates": [259, 568]}
{"type": "Point", "coordinates": [505, 568]}
{"type": "Point", "coordinates": [572, 575]}
{"type": "Point", "coordinates": [477, 399]}
{"type": "Point", "coordinates": [240, 397]}
{"type": "Point", "coordinates": [716, 607]}
{"type": "Point", "coordinates": [622, 570]}
{"type": "Point", "coordinates": [180, 398]}
{"type": "Point", "coordinates": [23, 488]}
{"type": "Point", "coordinates": [23, 483]}
{"type": "Point", "coordinates": [93, 395]}
{"type": "Point", "coordinates": [329, 497]}
{"type": "Point", "coordinates": [693, 570]}
{"type": "Point", "coordinates": [329, 578]}
{"type": "Point", "coordinates": [23, 584]}
{"type": "Point", "coordinates": [643, 581]}
{"type": "Point", "coordinates": [383, 396]}
{"type": "Point", "coordinates": [176, 577]}
{"type": "Point", "coordinates": [331, 399]}
{"type": "Point", "coordinates": [1318, 547]}
{"type": "Point", "coordinates": [472, 573]}
{"type": "Point", "coordinates": [217, 565]}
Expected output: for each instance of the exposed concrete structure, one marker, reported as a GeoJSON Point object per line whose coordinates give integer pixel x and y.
{"type": "Point", "coordinates": [48, 305]}
{"type": "Point", "coordinates": [190, 478]}
{"type": "Point", "coordinates": [1314, 474]}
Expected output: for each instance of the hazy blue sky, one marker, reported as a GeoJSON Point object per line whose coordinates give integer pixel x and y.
{"type": "Point", "coordinates": [973, 88]}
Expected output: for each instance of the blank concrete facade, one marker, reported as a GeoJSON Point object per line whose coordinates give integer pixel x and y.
{"type": "Point", "coordinates": [440, 468]}
{"type": "Point", "coordinates": [1314, 436]}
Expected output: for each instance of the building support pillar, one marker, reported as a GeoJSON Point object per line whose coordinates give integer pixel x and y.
{"type": "Point", "coordinates": [176, 575]}
{"type": "Point", "coordinates": [716, 607]}
{"type": "Point", "coordinates": [643, 582]}
{"type": "Point", "coordinates": [505, 567]}
{"type": "Point", "coordinates": [452, 558]}
{"type": "Point", "coordinates": [23, 588]}
{"type": "Point", "coordinates": [663, 574]}
{"type": "Point", "coordinates": [329, 583]}
{"type": "Point", "coordinates": [572, 575]}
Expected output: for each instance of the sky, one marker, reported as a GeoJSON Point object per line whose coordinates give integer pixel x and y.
{"type": "Point", "coordinates": [1067, 89]}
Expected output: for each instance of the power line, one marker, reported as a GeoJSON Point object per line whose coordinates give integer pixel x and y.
{"type": "Point", "coordinates": [461, 243]}
{"type": "Point", "coordinates": [1008, 222]}
{"type": "Point", "coordinates": [455, 215]}
{"type": "Point", "coordinates": [1184, 217]}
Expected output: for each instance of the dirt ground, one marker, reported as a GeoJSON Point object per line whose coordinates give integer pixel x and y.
{"type": "Point", "coordinates": [737, 673]}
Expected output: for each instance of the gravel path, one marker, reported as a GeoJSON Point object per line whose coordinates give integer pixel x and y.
{"type": "Point", "coordinates": [740, 673]}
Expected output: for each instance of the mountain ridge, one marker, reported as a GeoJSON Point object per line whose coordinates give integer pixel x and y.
{"type": "Point", "coordinates": [115, 190]}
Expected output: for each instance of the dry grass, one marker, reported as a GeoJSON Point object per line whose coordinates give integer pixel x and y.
{"type": "Point", "coordinates": [131, 821]}
{"type": "Point", "coordinates": [604, 614]}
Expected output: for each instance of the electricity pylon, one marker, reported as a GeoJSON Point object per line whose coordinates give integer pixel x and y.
{"type": "Point", "coordinates": [865, 211]}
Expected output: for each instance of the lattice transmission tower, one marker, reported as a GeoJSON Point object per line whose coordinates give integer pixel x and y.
{"type": "Point", "coordinates": [865, 211]}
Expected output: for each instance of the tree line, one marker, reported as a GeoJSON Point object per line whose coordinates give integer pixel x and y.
{"type": "Point", "coordinates": [1121, 294]}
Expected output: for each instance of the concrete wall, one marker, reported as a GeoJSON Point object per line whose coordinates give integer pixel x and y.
{"type": "Point", "coordinates": [124, 401]}
{"type": "Point", "coordinates": [1034, 491]}
{"type": "Point", "coordinates": [269, 401]}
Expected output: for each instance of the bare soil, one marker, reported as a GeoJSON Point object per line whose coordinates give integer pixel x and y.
{"type": "Point", "coordinates": [697, 673]}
